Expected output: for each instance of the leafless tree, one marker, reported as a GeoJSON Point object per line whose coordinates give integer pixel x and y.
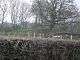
{"type": "Point", "coordinates": [53, 12]}
{"type": "Point", "coordinates": [23, 13]}
{"type": "Point", "coordinates": [3, 10]}
{"type": "Point", "coordinates": [14, 9]}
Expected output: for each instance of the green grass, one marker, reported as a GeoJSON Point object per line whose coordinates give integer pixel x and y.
{"type": "Point", "coordinates": [15, 32]}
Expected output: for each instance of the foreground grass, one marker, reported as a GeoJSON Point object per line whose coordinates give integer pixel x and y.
{"type": "Point", "coordinates": [39, 49]}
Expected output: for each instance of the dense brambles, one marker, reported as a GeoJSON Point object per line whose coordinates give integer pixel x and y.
{"type": "Point", "coordinates": [39, 50]}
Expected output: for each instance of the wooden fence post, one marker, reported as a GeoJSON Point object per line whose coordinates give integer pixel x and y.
{"type": "Point", "coordinates": [43, 35]}
{"type": "Point", "coordinates": [40, 35]}
{"type": "Point", "coordinates": [34, 34]}
{"type": "Point", "coordinates": [61, 37]}
{"type": "Point", "coordinates": [71, 37]}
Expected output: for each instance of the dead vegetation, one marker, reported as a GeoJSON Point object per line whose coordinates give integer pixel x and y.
{"type": "Point", "coordinates": [39, 49]}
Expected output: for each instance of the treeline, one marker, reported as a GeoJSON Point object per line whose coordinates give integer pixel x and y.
{"type": "Point", "coordinates": [13, 16]}
{"type": "Point", "coordinates": [57, 15]}
{"type": "Point", "coordinates": [49, 15]}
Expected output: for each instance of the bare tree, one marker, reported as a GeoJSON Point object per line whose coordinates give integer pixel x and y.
{"type": "Point", "coordinates": [23, 13]}
{"type": "Point", "coordinates": [14, 8]}
{"type": "Point", "coordinates": [3, 8]}
{"type": "Point", "coordinates": [53, 12]}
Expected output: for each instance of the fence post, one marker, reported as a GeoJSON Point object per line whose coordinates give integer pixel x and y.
{"type": "Point", "coordinates": [71, 37]}
{"type": "Point", "coordinates": [43, 35]}
{"type": "Point", "coordinates": [61, 37]}
{"type": "Point", "coordinates": [34, 34]}
{"type": "Point", "coordinates": [40, 35]}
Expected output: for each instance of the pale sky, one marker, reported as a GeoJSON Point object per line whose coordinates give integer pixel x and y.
{"type": "Point", "coordinates": [30, 2]}
{"type": "Point", "coordinates": [78, 3]}
{"type": "Point", "coordinates": [31, 19]}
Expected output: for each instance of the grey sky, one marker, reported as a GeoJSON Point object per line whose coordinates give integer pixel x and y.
{"type": "Point", "coordinates": [28, 1]}
{"type": "Point", "coordinates": [77, 2]}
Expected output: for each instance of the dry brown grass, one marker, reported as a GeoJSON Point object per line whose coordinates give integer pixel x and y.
{"type": "Point", "coordinates": [22, 48]}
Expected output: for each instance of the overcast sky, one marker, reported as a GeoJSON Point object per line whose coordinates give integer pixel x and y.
{"type": "Point", "coordinates": [76, 1]}
{"type": "Point", "coordinates": [30, 2]}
